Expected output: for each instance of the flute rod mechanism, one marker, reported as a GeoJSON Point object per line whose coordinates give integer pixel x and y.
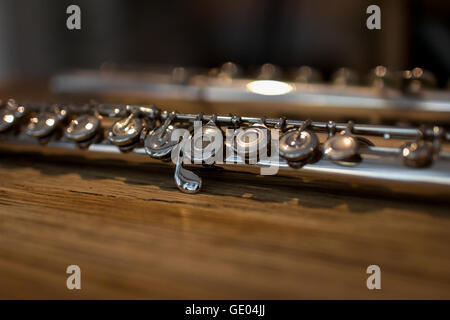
{"type": "Point", "coordinates": [365, 129]}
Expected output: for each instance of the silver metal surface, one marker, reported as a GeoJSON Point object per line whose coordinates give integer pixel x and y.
{"type": "Point", "coordinates": [381, 167]}
{"type": "Point", "coordinates": [125, 131]}
{"type": "Point", "coordinates": [341, 147]}
{"type": "Point", "coordinates": [186, 180]}
{"type": "Point", "coordinates": [252, 140]}
{"type": "Point", "coordinates": [7, 120]}
{"type": "Point", "coordinates": [417, 154]}
{"type": "Point", "coordinates": [42, 124]}
{"type": "Point", "coordinates": [252, 137]}
{"type": "Point", "coordinates": [82, 128]}
{"type": "Point", "coordinates": [202, 147]}
{"type": "Point", "coordinates": [296, 145]}
{"type": "Point", "coordinates": [159, 143]}
{"type": "Point", "coordinates": [321, 126]}
{"type": "Point", "coordinates": [317, 98]}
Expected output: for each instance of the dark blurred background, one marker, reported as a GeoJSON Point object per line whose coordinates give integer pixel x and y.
{"type": "Point", "coordinates": [326, 34]}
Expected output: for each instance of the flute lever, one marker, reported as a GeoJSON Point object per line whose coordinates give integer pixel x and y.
{"type": "Point", "coordinates": [186, 180]}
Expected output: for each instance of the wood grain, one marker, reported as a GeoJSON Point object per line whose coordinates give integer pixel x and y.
{"type": "Point", "coordinates": [134, 235]}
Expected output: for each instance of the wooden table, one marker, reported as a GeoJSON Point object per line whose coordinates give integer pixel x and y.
{"type": "Point", "coordinates": [134, 235]}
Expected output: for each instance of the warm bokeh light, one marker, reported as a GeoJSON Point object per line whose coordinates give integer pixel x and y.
{"type": "Point", "coordinates": [50, 122]}
{"type": "Point", "coordinates": [269, 87]}
{"type": "Point", "coordinates": [9, 118]}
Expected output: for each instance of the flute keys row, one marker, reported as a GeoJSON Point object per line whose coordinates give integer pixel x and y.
{"type": "Point", "coordinates": [298, 146]}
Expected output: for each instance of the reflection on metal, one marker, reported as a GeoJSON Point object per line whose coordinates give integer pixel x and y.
{"type": "Point", "coordinates": [269, 87]}
{"type": "Point", "coordinates": [186, 180]}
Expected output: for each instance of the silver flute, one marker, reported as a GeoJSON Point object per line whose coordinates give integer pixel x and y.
{"type": "Point", "coordinates": [385, 95]}
{"type": "Point", "coordinates": [346, 157]}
